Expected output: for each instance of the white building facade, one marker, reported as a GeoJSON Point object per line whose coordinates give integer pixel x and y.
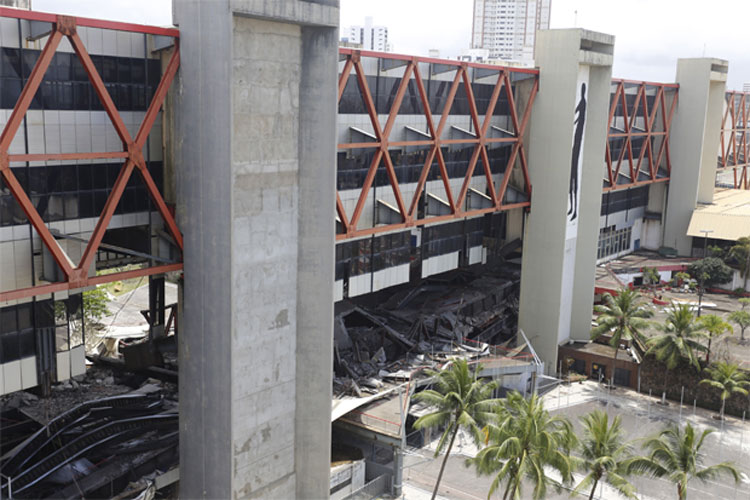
{"type": "Point", "coordinates": [369, 37]}
{"type": "Point", "coordinates": [507, 28]}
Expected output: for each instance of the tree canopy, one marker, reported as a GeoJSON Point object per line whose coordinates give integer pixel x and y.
{"type": "Point", "coordinates": [712, 270]}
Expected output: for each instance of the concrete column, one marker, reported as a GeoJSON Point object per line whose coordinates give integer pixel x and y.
{"type": "Point", "coordinates": [694, 144]}
{"type": "Point", "coordinates": [566, 141]}
{"type": "Point", "coordinates": [255, 118]}
{"type": "Point", "coordinates": [316, 258]}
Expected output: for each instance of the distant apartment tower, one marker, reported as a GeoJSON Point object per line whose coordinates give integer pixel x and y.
{"type": "Point", "coordinates": [746, 87]}
{"type": "Point", "coordinates": [369, 37]}
{"type": "Point", "coordinates": [507, 28]}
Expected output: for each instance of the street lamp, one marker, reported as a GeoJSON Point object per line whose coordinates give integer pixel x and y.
{"type": "Point", "coordinates": [705, 232]}
{"type": "Point", "coordinates": [702, 277]}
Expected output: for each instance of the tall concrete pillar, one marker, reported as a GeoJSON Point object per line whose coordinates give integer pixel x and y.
{"type": "Point", "coordinates": [255, 113]}
{"type": "Point", "coordinates": [694, 144]}
{"type": "Point", "coordinates": [566, 143]}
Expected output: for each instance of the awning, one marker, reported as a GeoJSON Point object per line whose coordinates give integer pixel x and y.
{"type": "Point", "coordinates": [727, 218]}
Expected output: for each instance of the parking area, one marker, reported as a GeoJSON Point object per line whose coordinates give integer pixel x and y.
{"type": "Point", "coordinates": [642, 416]}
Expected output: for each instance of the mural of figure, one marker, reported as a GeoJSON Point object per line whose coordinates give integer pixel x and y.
{"type": "Point", "coordinates": [577, 140]}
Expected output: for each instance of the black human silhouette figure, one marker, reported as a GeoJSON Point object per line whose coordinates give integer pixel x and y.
{"type": "Point", "coordinates": [577, 138]}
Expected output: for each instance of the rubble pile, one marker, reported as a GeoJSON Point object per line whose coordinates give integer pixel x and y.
{"type": "Point", "coordinates": [416, 326]}
{"type": "Point", "coordinates": [95, 436]}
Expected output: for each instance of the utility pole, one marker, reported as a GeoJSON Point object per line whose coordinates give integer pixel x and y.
{"type": "Point", "coordinates": [702, 277]}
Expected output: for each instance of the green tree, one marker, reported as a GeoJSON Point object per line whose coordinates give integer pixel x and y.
{"type": "Point", "coordinates": [729, 379]}
{"type": "Point", "coordinates": [676, 455]}
{"type": "Point", "coordinates": [714, 326]}
{"type": "Point", "coordinates": [605, 453]}
{"type": "Point", "coordinates": [711, 270]}
{"type": "Point", "coordinates": [651, 276]}
{"type": "Point", "coordinates": [94, 306]}
{"type": "Point", "coordinates": [461, 400]}
{"type": "Point", "coordinates": [679, 278]}
{"type": "Point", "coordinates": [680, 339]}
{"type": "Point", "coordinates": [522, 444]}
{"type": "Point", "coordinates": [739, 253]}
{"type": "Point", "coordinates": [744, 301]}
{"type": "Point", "coordinates": [741, 319]}
{"type": "Point", "coordinates": [716, 251]}
{"type": "Point", "coordinates": [624, 318]}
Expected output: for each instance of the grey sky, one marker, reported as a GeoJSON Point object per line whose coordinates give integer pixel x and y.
{"type": "Point", "coordinates": [651, 34]}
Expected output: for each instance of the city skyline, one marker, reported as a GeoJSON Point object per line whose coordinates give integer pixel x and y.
{"type": "Point", "coordinates": [648, 52]}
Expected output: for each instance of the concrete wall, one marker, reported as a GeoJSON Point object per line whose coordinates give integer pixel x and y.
{"type": "Point", "coordinates": [694, 140]}
{"type": "Point", "coordinates": [256, 121]}
{"type": "Point", "coordinates": [559, 254]}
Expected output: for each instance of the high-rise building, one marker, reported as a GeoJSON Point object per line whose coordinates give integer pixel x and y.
{"type": "Point", "coordinates": [369, 37]}
{"type": "Point", "coordinates": [507, 28]}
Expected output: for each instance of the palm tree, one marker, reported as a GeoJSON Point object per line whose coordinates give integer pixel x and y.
{"type": "Point", "coordinates": [742, 319]}
{"type": "Point", "coordinates": [605, 454]}
{"type": "Point", "coordinates": [624, 318]}
{"type": "Point", "coordinates": [729, 379]}
{"type": "Point", "coordinates": [679, 341]}
{"type": "Point", "coordinates": [714, 326]}
{"type": "Point", "coordinates": [524, 441]}
{"type": "Point", "coordinates": [651, 276]}
{"type": "Point", "coordinates": [740, 252]}
{"type": "Point", "coordinates": [676, 454]}
{"type": "Point", "coordinates": [462, 401]}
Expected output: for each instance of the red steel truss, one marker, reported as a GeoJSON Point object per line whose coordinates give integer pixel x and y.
{"type": "Point", "coordinates": [382, 143]}
{"type": "Point", "coordinates": [647, 166]}
{"type": "Point", "coordinates": [76, 275]}
{"type": "Point", "coordinates": [734, 134]}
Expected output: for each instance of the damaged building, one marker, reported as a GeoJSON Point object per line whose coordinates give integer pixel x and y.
{"type": "Point", "coordinates": [335, 224]}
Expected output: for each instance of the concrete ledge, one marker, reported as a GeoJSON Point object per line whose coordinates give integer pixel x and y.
{"type": "Point", "coordinates": [299, 12]}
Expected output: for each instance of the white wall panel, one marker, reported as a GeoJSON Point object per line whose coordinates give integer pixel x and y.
{"type": "Point", "coordinates": [63, 366]}
{"type": "Point", "coordinates": [12, 376]}
{"type": "Point", "coordinates": [28, 372]}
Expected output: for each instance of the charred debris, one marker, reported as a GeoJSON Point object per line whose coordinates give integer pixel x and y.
{"type": "Point", "coordinates": [382, 337]}
{"type": "Point", "coordinates": [95, 437]}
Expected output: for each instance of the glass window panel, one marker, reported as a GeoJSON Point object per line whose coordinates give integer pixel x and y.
{"type": "Point", "coordinates": [24, 316]}
{"type": "Point", "coordinates": [100, 176]}
{"type": "Point", "coordinates": [124, 73]}
{"type": "Point", "coordinates": [63, 66]}
{"type": "Point", "coordinates": [81, 96]}
{"type": "Point", "coordinates": [8, 320]}
{"type": "Point", "coordinates": [10, 63]}
{"type": "Point", "coordinates": [26, 343]}
{"type": "Point", "coordinates": [28, 60]}
{"type": "Point", "coordinates": [138, 70]}
{"type": "Point", "coordinates": [44, 314]}
{"type": "Point", "coordinates": [68, 177]}
{"type": "Point", "coordinates": [10, 89]}
{"type": "Point", "coordinates": [86, 205]}
{"type": "Point", "coordinates": [109, 69]}
{"type": "Point", "coordinates": [10, 351]}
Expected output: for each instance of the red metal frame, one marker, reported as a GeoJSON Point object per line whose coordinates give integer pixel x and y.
{"type": "Point", "coordinates": [735, 150]}
{"type": "Point", "coordinates": [614, 165]}
{"type": "Point", "coordinates": [382, 143]}
{"type": "Point", "coordinates": [76, 275]}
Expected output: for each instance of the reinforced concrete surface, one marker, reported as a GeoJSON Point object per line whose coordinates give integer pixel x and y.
{"type": "Point", "coordinates": [566, 143]}
{"type": "Point", "coordinates": [257, 100]}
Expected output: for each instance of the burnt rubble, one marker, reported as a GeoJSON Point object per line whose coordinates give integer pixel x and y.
{"type": "Point", "coordinates": [384, 337]}
{"type": "Point", "coordinates": [94, 437]}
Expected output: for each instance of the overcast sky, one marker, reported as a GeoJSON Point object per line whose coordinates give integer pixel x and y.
{"type": "Point", "coordinates": [651, 34]}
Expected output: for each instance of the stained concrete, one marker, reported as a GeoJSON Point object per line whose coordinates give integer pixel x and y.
{"type": "Point", "coordinates": [256, 116]}
{"type": "Point", "coordinates": [559, 255]}
{"type": "Point", "coordinates": [694, 142]}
